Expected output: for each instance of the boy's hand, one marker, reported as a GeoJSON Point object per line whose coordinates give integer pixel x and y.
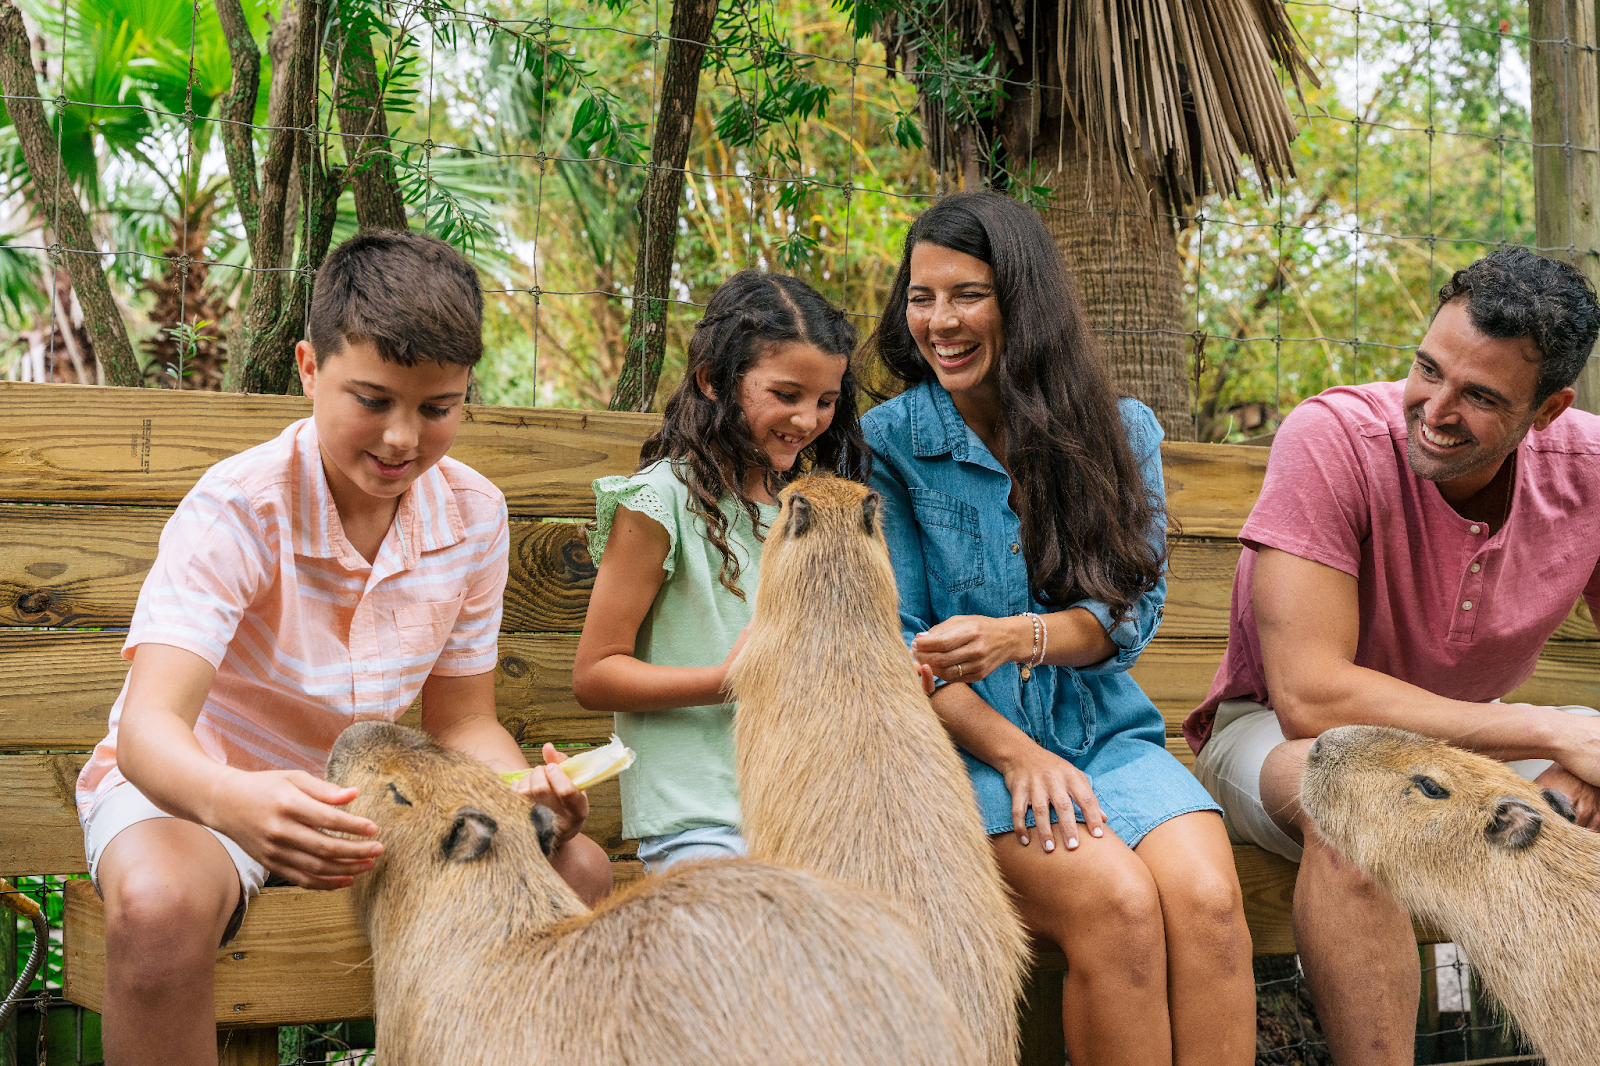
{"type": "Point", "coordinates": [549, 787]}
{"type": "Point", "coordinates": [283, 817]}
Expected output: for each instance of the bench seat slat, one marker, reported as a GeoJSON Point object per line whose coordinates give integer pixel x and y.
{"type": "Point", "coordinates": [82, 568]}
{"type": "Point", "coordinates": [95, 444]}
{"type": "Point", "coordinates": [39, 830]}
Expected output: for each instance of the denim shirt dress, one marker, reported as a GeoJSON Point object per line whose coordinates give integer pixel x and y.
{"type": "Point", "coordinates": [955, 544]}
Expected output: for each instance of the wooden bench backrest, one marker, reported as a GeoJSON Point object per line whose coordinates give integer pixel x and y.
{"type": "Point", "coordinates": [121, 459]}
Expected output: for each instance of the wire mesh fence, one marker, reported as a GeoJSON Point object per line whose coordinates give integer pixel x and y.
{"type": "Point", "coordinates": [523, 132]}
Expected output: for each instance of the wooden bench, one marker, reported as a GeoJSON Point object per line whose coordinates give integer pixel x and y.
{"type": "Point", "coordinates": [88, 477]}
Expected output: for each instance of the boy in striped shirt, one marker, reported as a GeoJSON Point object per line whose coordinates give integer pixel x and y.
{"type": "Point", "coordinates": [323, 578]}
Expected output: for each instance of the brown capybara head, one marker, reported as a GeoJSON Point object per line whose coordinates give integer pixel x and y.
{"type": "Point", "coordinates": [1390, 801]}
{"type": "Point", "coordinates": [446, 821]}
{"type": "Point", "coordinates": [825, 555]}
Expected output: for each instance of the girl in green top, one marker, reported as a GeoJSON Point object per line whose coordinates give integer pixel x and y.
{"type": "Point", "coordinates": [767, 394]}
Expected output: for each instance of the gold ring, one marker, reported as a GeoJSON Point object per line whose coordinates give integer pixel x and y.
{"type": "Point", "coordinates": [959, 671]}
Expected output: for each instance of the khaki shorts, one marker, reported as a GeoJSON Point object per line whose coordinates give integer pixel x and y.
{"type": "Point", "coordinates": [1229, 766]}
{"type": "Point", "coordinates": [125, 805]}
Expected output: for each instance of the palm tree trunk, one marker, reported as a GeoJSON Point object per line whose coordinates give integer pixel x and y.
{"type": "Point", "coordinates": [56, 202]}
{"type": "Point", "coordinates": [365, 132]}
{"type": "Point", "coordinates": [659, 203]}
{"type": "Point", "coordinates": [1124, 256]}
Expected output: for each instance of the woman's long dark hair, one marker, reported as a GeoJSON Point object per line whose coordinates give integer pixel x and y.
{"type": "Point", "coordinates": [746, 316]}
{"type": "Point", "coordinates": [1085, 511]}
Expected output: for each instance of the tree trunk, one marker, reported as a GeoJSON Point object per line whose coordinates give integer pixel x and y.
{"type": "Point", "coordinates": [1566, 171]}
{"type": "Point", "coordinates": [365, 131]}
{"type": "Point", "coordinates": [56, 201]}
{"type": "Point", "coordinates": [276, 314]}
{"type": "Point", "coordinates": [659, 204]}
{"type": "Point", "coordinates": [1124, 256]}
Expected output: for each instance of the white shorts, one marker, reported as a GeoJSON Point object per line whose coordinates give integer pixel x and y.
{"type": "Point", "coordinates": [1229, 766]}
{"type": "Point", "coordinates": [125, 805]}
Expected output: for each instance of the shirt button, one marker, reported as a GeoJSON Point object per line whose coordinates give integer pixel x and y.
{"type": "Point", "coordinates": [1467, 606]}
{"type": "Point", "coordinates": [1475, 568]}
{"type": "Point", "coordinates": [364, 665]}
{"type": "Point", "coordinates": [1474, 529]}
{"type": "Point", "coordinates": [1015, 547]}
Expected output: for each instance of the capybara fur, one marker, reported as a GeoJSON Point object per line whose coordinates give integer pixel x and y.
{"type": "Point", "coordinates": [1463, 843]}
{"type": "Point", "coordinates": [482, 954]}
{"type": "Point", "coordinates": [844, 768]}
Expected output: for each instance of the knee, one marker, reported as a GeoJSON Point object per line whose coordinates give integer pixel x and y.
{"type": "Point", "coordinates": [1207, 913]}
{"type": "Point", "coordinates": [163, 916]}
{"type": "Point", "coordinates": [586, 869]}
{"type": "Point", "coordinates": [1128, 911]}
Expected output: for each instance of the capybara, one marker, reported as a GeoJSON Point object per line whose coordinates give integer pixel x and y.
{"type": "Point", "coordinates": [482, 954]}
{"type": "Point", "coordinates": [1465, 844]}
{"type": "Point", "coordinates": [844, 768]}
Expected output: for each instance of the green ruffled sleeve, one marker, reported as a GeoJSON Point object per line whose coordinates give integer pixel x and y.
{"type": "Point", "coordinates": [649, 492]}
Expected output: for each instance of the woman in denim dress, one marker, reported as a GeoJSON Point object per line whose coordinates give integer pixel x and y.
{"type": "Point", "coordinates": [1015, 485]}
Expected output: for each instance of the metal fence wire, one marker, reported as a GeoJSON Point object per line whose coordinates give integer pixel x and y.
{"type": "Point", "coordinates": [522, 131]}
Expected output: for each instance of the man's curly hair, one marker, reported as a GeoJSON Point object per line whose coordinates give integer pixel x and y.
{"type": "Point", "coordinates": [1513, 293]}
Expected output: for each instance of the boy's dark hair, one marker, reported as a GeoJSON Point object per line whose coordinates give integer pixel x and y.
{"type": "Point", "coordinates": [413, 297]}
{"type": "Point", "coordinates": [1513, 293]}
{"type": "Point", "coordinates": [745, 317]}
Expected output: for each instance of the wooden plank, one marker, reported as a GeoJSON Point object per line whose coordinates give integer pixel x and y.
{"type": "Point", "coordinates": [298, 959]}
{"type": "Point", "coordinates": [94, 444]}
{"type": "Point", "coordinates": [82, 567]}
{"type": "Point", "coordinates": [56, 689]}
{"type": "Point", "coordinates": [39, 830]}
{"type": "Point", "coordinates": [1211, 487]}
{"type": "Point", "coordinates": [1176, 675]}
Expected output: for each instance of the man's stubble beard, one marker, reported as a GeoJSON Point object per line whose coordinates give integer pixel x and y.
{"type": "Point", "coordinates": [1473, 459]}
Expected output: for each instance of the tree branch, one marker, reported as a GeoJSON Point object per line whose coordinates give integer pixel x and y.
{"type": "Point", "coordinates": [56, 201]}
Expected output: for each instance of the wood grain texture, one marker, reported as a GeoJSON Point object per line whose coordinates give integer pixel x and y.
{"type": "Point", "coordinates": [1211, 487]}
{"type": "Point", "coordinates": [89, 444]}
{"type": "Point", "coordinates": [298, 959]}
{"type": "Point", "coordinates": [82, 567]}
{"type": "Point", "coordinates": [39, 831]}
{"type": "Point", "coordinates": [56, 690]}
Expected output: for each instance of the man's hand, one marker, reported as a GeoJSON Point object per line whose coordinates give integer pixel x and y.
{"type": "Point", "coordinates": [283, 819]}
{"type": "Point", "coordinates": [1584, 796]}
{"type": "Point", "coordinates": [549, 786]}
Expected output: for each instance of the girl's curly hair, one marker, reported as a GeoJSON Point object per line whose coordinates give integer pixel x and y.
{"type": "Point", "coordinates": [707, 436]}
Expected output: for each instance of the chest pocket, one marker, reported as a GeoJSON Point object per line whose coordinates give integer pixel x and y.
{"type": "Point", "coordinates": [424, 627]}
{"type": "Point", "coordinates": [951, 546]}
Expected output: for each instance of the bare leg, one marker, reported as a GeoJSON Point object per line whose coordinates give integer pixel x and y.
{"type": "Point", "coordinates": [1100, 904]}
{"type": "Point", "coordinates": [1356, 944]}
{"type": "Point", "coordinates": [1211, 988]}
{"type": "Point", "coordinates": [170, 889]}
{"type": "Point", "coordinates": [585, 867]}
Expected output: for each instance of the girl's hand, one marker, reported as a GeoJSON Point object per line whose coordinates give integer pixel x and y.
{"type": "Point", "coordinates": [549, 787]}
{"type": "Point", "coordinates": [733, 653]}
{"type": "Point", "coordinates": [970, 647]}
{"type": "Point", "coordinates": [1039, 780]}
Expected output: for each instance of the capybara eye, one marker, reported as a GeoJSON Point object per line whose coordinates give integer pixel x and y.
{"type": "Point", "coordinates": [394, 793]}
{"type": "Point", "coordinates": [1429, 787]}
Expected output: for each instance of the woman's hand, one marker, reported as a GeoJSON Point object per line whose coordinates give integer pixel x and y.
{"type": "Point", "coordinates": [970, 647]}
{"type": "Point", "coordinates": [550, 787]}
{"type": "Point", "coordinates": [1039, 780]}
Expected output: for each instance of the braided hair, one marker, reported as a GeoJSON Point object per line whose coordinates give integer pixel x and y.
{"type": "Point", "coordinates": [705, 431]}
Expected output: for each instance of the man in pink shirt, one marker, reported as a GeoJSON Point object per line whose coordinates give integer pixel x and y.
{"type": "Point", "coordinates": [325, 577]}
{"type": "Point", "coordinates": [1414, 545]}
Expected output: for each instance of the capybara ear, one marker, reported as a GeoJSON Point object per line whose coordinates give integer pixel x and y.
{"type": "Point", "coordinates": [544, 825]}
{"type": "Point", "coordinates": [1560, 803]}
{"type": "Point", "coordinates": [1516, 824]}
{"type": "Point", "coordinates": [869, 512]}
{"type": "Point", "coordinates": [799, 514]}
{"type": "Point", "coordinates": [470, 835]}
